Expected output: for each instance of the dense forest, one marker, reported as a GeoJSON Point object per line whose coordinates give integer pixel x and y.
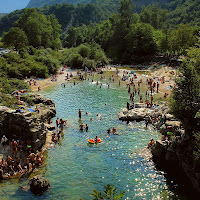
{"type": "Point", "coordinates": [179, 11]}
{"type": "Point", "coordinates": [66, 14]}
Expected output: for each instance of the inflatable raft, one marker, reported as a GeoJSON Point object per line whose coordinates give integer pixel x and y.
{"type": "Point", "coordinates": [91, 141]}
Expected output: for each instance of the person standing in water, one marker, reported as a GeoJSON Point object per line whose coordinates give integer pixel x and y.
{"type": "Point", "coordinates": [81, 127]}
{"type": "Point", "coordinates": [79, 113]}
{"type": "Point", "coordinates": [86, 128]}
{"type": "Point", "coordinates": [57, 123]}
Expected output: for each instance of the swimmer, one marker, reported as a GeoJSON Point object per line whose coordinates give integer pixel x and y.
{"type": "Point", "coordinates": [109, 131]}
{"type": "Point", "coordinates": [114, 130]}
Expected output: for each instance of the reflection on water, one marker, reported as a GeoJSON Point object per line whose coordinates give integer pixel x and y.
{"type": "Point", "coordinates": [75, 168]}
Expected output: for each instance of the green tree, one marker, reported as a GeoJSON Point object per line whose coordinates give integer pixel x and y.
{"type": "Point", "coordinates": [39, 29]}
{"type": "Point", "coordinates": [140, 40]}
{"type": "Point", "coordinates": [193, 54]}
{"type": "Point", "coordinates": [186, 98]}
{"type": "Point", "coordinates": [110, 192]}
{"type": "Point", "coordinates": [182, 38]}
{"type": "Point", "coordinates": [15, 37]}
{"type": "Point", "coordinates": [126, 10]}
{"type": "Point", "coordinates": [154, 15]}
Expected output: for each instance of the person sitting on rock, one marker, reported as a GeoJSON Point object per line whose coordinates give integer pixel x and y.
{"type": "Point", "coordinates": [150, 143]}
{"type": "Point", "coordinates": [32, 157]}
{"type": "Point", "coordinates": [10, 163]}
{"type": "Point", "coordinates": [2, 176]}
{"type": "Point", "coordinates": [38, 160]}
{"type": "Point", "coordinates": [28, 146]}
{"type": "Point", "coordinates": [3, 164]}
{"type": "Point", "coordinates": [169, 132]}
{"type": "Point", "coordinates": [18, 165]}
{"type": "Point", "coordinates": [37, 109]}
{"type": "Point", "coordinates": [27, 164]}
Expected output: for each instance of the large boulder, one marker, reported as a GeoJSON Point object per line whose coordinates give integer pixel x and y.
{"type": "Point", "coordinates": [137, 114]}
{"type": "Point", "coordinates": [38, 185]}
{"type": "Point", "coordinates": [159, 149]}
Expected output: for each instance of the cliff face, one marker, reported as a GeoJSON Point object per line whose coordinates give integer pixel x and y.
{"type": "Point", "coordinates": [177, 155]}
{"type": "Point", "coordinates": [28, 124]}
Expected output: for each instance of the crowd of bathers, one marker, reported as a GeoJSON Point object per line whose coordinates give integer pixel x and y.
{"type": "Point", "coordinates": [59, 129]}
{"type": "Point", "coordinates": [15, 162]}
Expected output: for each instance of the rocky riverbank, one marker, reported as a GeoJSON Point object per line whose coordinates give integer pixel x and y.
{"type": "Point", "coordinates": [172, 153]}
{"type": "Point", "coordinates": [28, 123]}
{"type": "Point", "coordinates": [176, 157]}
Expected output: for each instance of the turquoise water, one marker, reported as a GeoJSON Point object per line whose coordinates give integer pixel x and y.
{"type": "Point", "coordinates": [75, 168]}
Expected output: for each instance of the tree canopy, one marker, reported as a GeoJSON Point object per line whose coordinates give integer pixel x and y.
{"type": "Point", "coordinates": [35, 29]}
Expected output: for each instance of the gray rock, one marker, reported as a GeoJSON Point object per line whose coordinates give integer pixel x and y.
{"type": "Point", "coordinates": [137, 114]}
{"type": "Point", "coordinates": [139, 105]}
{"type": "Point", "coordinates": [27, 125]}
{"type": "Point", "coordinates": [169, 117]}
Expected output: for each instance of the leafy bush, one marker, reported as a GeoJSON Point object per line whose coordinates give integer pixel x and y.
{"type": "Point", "coordinates": [110, 192]}
{"type": "Point", "coordinates": [10, 85]}
{"type": "Point", "coordinates": [90, 64]}
{"type": "Point", "coordinates": [85, 55]}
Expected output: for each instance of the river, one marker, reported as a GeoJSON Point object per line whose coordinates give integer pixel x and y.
{"type": "Point", "coordinates": [75, 168]}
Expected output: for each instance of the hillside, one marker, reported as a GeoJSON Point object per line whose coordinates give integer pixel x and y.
{"type": "Point", "coordinates": [42, 3]}
{"type": "Point", "coordinates": [139, 3]}
{"type": "Point", "coordinates": [184, 11]}
{"type": "Point", "coordinates": [2, 15]}
{"type": "Point", "coordinates": [180, 11]}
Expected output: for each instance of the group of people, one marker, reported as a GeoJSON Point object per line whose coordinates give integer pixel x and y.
{"type": "Point", "coordinates": [16, 162]}
{"type": "Point", "coordinates": [114, 130]}
{"type": "Point", "coordinates": [59, 129]}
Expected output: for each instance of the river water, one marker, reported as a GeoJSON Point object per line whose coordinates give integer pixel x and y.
{"type": "Point", "coordinates": [75, 168]}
